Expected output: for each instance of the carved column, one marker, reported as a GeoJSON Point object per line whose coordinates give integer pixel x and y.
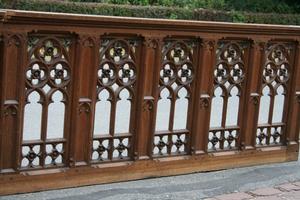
{"type": "Point", "coordinates": [254, 80]}
{"type": "Point", "coordinates": [12, 88]}
{"type": "Point", "coordinates": [292, 130]}
{"type": "Point", "coordinates": [149, 78]}
{"type": "Point", "coordinates": [204, 82]}
{"type": "Point", "coordinates": [87, 53]}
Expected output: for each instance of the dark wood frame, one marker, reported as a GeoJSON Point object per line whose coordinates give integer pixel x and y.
{"type": "Point", "coordinates": [86, 33]}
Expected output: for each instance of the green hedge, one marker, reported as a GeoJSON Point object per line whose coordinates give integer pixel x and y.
{"type": "Point", "coordinates": [105, 9]}
{"type": "Point", "coordinates": [152, 12]}
{"type": "Point", "coordinates": [266, 6]}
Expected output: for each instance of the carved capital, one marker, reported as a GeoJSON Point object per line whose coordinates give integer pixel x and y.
{"type": "Point", "coordinates": [204, 101]}
{"type": "Point", "coordinates": [12, 39]}
{"type": "Point", "coordinates": [10, 108]}
{"type": "Point", "coordinates": [254, 98]}
{"type": "Point", "coordinates": [152, 42]}
{"type": "Point", "coordinates": [84, 105]}
{"type": "Point", "coordinates": [259, 45]}
{"type": "Point", "coordinates": [148, 103]}
{"type": "Point", "coordinates": [87, 40]}
{"type": "Point", "coordinates": [298, 96]}
{"type": "Point", "coordinates": [208, 44]}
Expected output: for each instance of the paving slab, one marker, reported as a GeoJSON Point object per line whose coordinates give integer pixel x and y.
{"type": "Point", "coordinates": [288, 187]}
{"type": "Point", "coordinates": [266, 192]}
{"type": "Point", "coordinates": [234, 196]}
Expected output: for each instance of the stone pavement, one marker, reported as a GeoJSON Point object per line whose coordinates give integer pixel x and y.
{"type": "Point", "coordinates": [287, 191]}
{"type": "Point", "coordinates": [259, 180]}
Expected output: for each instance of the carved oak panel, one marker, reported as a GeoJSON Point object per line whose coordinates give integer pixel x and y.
{"type": "Point", "coordinates": [116, 99]}
{"type": "Point", "coordinates": [229, 79]}
{"type": "Point", "coordinates": [275, 79]}
{"type": "Point", "coordinates": [177, 73]}
{"type": "Point", "coordinates": [47, 95]}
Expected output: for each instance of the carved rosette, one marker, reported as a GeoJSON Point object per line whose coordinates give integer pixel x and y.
{"type": "Point", "coordinates": [48, 73]}
{"type": "Point", "coordinates": [229, 77]}
{"type": "Point", "coordinates": [276, 75]}
{"type": "Point", "coordinates": [117, 72]}
{"type": "Point", "coordinates": [176, 73]}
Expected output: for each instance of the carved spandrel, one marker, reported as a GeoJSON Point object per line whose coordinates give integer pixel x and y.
{"type": "Point", "coordinates": [47, 83]}
{"type": "Point", "coordinates": [229, 77]}
{"type": "Point", "coordinates": [116, 88]}
{"type": "Point", "coordinates": [276, 75]}
{"type": "Point", "coordinates": [177, 73]}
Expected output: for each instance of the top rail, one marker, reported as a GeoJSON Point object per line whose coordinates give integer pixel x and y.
{"type": "Point", "coordinates": [66, 19]}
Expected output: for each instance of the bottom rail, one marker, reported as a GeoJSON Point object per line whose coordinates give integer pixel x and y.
{"type": "Point", "coordinates": [114, 172]}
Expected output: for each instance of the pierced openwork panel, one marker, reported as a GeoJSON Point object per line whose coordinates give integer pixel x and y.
{"type": "Point", "coordinates": [116, 92]}
{"type": "Point", "coordinates": [176, 77]}
{"type": "Point", "coordinates": [229, 77]}
{"type": "Point", "coordinates": [47, 80]}
{"type": "Point", "coordinates": [276, 75]}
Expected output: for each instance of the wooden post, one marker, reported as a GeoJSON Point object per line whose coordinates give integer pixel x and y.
{"type": "Point", "coordinates": [204, 82]}
{"type": "Point", "coordinates": [292, 130]}
{"type": "Point", "coordinates": [253, 91]}
{"type": "Point", "coordinates": [12, 88]}
{"type": "Point", "coordinates": [149, 77]}
{"type": "Point", "coordinates": [84, 94]}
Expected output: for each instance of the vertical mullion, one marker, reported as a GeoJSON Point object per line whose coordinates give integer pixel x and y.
{"type": "Point", "coordinates": [269, 130]}
{"type": "Point", "coordinates": [173, 100]}
{"type": "Point", "coordinates": [224, 114]}
{"type": "Point", "coordinates": [112, 126]}
{"type": "Point", "coordinates": [45, 106]}
{"type": "Point", "coordinates": [171, 120]}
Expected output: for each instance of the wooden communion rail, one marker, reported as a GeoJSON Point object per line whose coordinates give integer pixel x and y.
{"type": "Point", "coordinates": [91, 99]}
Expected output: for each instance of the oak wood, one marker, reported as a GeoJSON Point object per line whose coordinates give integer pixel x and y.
{"type": "Point", "coordinates": [142, 56]}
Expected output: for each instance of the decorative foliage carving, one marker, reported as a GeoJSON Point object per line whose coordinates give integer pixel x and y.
{"type": "Point", "coordinates": [148, 103]}
{"type": "Point", "coordinates": [175, 144]}
{"type": "Point", "coordinates": [204, 100]}
{"type": "Point", "coordinates": [12, 39]}
{"type": "Point", "coordinates": [31, 155]}
{"type": "Point", "coordinates": [84, 106]}
{"type": "Point", "coordinates": [152, 42]}
{"type": "Point", "coordinates": [254, 98]}
{"type": "Point", "coordinates": [54, 154]}
{"type": "Point", "coordinates": [276, 74]}
{"type": "Point", "coordinates": [176, 76]}
{"type": "Point", "coordinates": [10, 108]}
{"type": "Point", "coordinates": [208, 44]}
{"type": "Point", "coordinates": [48, 73]}
{"type": "Point", "coordinates": [117, 75]}
{"type": "Point", "coordinates": [229, 76]}
{"type": "Point", "coordinates": [298, 96]}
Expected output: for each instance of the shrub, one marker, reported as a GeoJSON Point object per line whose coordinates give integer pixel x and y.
{"type": "Point", "coordinates": [153, 11]}
{"type": "Point", "coordinates": [269, 6]}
